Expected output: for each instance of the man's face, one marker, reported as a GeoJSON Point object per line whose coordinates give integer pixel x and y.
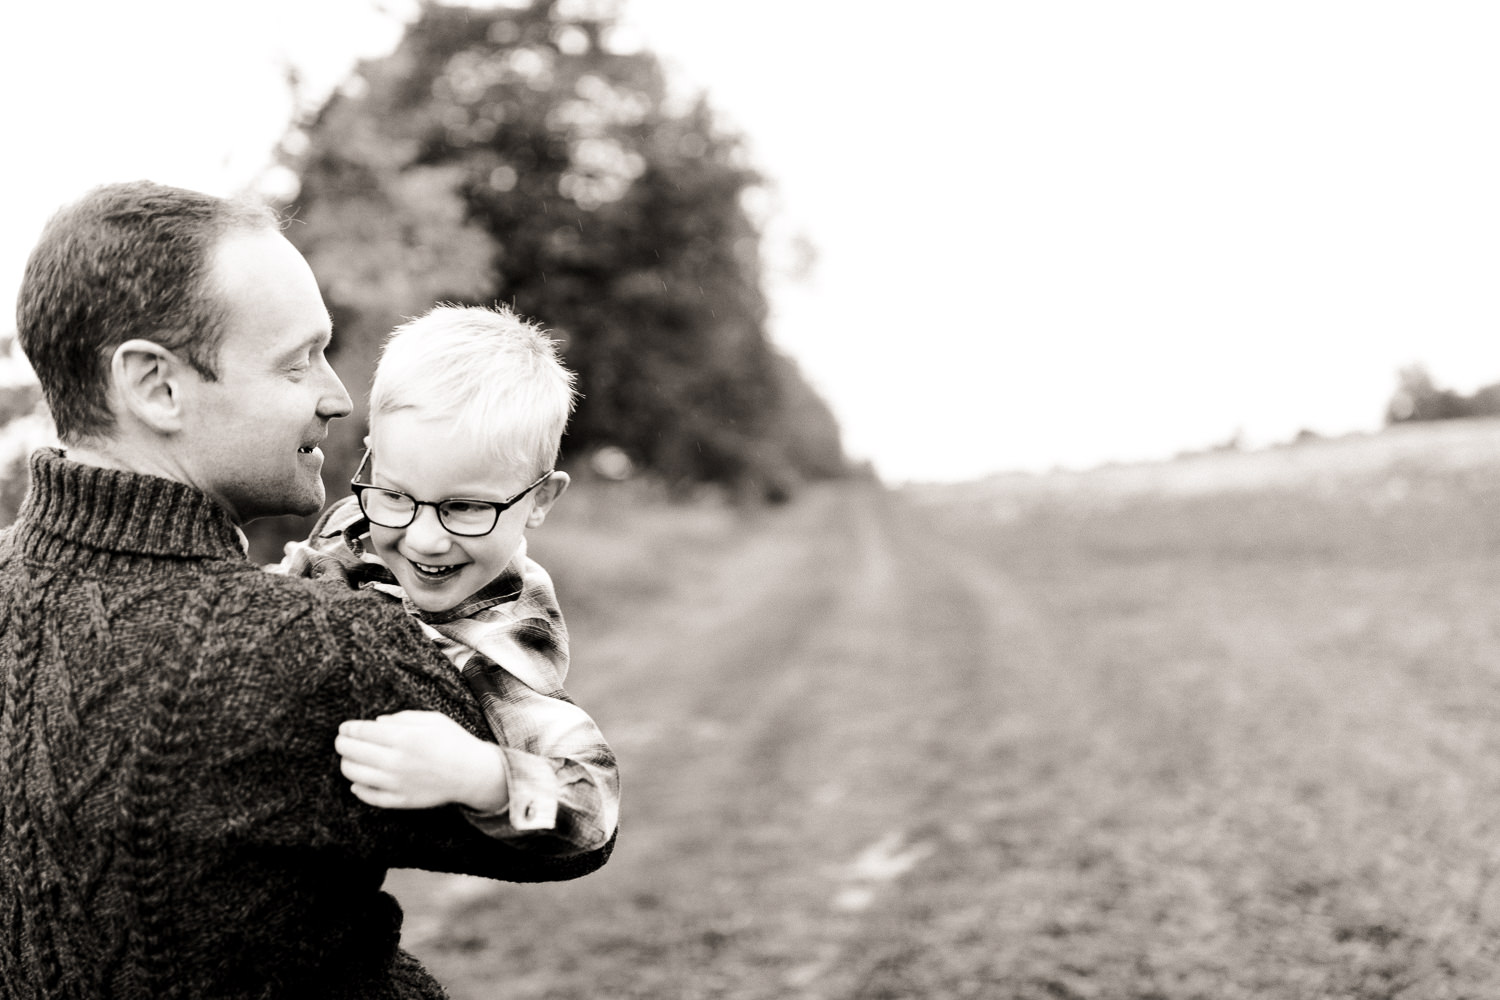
{"type": "Point", "coordinates": [422, 458]}
{"type": "Point", "coordinates": [252, 442]}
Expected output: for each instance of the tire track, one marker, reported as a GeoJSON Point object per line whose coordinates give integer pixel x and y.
{"type": "Point", "coordinates": [946, 652]}
{"type": "Point", "coordinates": [804, 729]}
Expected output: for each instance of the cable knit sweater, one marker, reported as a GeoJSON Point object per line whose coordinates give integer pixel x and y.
{"type": "Point", "coordinates": [172, 818]}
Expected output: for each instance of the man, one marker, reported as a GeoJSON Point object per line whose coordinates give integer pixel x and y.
{"type": "Point", "coordinates": [172, 817]}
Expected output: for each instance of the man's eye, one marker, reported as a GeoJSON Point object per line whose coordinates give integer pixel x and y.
{"type": "Point", "coordinates": [461, 508]}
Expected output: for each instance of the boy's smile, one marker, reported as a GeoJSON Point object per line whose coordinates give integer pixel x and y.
{"type": "Point", "coordinates": [434, 575]}
{"type": "Point", "coordinates": [423, 457]}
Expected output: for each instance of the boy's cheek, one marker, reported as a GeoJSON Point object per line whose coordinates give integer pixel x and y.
{"type": "Point", "coordinates": [384, 541]}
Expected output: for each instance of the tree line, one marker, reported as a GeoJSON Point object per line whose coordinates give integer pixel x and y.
{"type": "Point", "coordinates": [1418, 397]}
{"type": "Point", "coordinates": [523, 156]}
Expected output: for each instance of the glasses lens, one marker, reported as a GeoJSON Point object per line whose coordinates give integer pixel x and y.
{"type": "Point", "coordinates": [386, 507]}
{"type": "Point", "coordinates": [468, 517]}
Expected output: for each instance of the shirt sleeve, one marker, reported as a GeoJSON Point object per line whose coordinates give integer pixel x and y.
{"type": "Point", "coordinates": [563, 779]}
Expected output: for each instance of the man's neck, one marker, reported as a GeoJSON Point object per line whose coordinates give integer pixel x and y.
{"type": "Point", "coordinates": [124, 456]}
{"type": "Point", "coordinates": [91, 454]}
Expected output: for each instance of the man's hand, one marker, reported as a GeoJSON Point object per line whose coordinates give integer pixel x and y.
{"type": "Point", "coordinates": [415, 760]}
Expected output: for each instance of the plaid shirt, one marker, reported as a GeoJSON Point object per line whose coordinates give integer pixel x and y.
{"type": "Point", "coordinates": [510, 645]}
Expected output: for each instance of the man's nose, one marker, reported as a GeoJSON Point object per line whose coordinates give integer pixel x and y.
{"type": "Point", "coordinates": [334, 401]}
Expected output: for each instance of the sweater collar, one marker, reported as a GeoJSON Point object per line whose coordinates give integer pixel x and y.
{"type": "Point", "coordinates": [72, 504]}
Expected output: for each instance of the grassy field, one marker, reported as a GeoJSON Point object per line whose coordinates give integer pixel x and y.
{"type": "Point", "coordinates": [1207, 730]}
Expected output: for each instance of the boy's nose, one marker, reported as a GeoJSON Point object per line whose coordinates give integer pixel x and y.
{"type": "Point", "coordinates": [427, 534]}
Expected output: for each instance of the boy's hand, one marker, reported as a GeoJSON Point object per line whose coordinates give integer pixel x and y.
{"type": "Point", "coordinates": [416, 760]}
{"type": "Point", "coordinates": [302, 560]}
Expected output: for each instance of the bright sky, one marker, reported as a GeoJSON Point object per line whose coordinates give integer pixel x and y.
{"type": "Point", "coordinates": [1054, 232]}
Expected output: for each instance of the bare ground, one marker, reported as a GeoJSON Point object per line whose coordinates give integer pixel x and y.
{"type": "Point", "coordinates": [1182, 745]}
{"type": "Point", "coordinates": [801, 724]}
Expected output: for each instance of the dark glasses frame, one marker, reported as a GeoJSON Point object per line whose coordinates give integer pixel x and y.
{"type": "Point", "coordinates": [496, 507]}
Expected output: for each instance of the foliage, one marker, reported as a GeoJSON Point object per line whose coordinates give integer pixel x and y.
{"type": "Point", "coordinates": [1417, 397]}
{"type": "Point", "coordinates": [25, 425]}
{"type": "Point", "coordinates": [519, 155]}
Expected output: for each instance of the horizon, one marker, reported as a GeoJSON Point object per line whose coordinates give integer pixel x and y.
{"type": "Point", "coordinates": [1051, 237]}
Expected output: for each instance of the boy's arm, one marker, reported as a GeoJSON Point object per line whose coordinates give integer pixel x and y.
{"type": "Point", "coordinates": [561, 787]}
{"type": "Point", "coordinates": [563, 781]}
{"type": "Point", "coordinates": [456, 838]}
{"type": "Point", "coordinates": [275, 781]}
{"type": "Point", "coordinates": [383, 665]}
{"type": "Point", "coordinates": [556, 797]}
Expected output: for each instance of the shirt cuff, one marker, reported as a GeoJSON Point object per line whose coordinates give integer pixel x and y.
{"type": "Point", "coordinates": [532, 785]}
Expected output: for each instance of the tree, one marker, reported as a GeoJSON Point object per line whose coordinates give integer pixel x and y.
{"type": "Point", "coordinates": [518, 155]}
{"type": "Point", "coordinates": [1418, 397]}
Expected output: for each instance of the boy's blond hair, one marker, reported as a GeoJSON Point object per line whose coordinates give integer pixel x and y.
{"type": "Point", "coordinates": [495, 374]}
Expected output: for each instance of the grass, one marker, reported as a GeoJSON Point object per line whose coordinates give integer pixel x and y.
{"type": "Point", "coordinates": [1002, 742]}
{"type": "Point", "coordinates": [1287, 717]}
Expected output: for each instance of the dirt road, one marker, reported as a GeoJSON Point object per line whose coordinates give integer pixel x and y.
{"type": "Point", "coordinates": [967, 744]}
{"type": "Point", "coordinates": [812, 720]}
{"type": "Point", "coordinates": [1005, 743]}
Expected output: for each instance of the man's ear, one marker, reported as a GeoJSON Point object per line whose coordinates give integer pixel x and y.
{"type": "Point", "coordinates": [546, 495]}
{"type": "Point", "coordinates": [147, 380]}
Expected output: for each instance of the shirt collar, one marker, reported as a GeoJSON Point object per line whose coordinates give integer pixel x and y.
{"type": "Point", "coordinates": [503, 588]}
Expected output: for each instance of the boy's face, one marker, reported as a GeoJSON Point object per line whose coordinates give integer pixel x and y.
{"type": "Point", "coordinates": [421, 457]}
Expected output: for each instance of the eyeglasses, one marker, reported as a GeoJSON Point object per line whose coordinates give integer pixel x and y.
{"type": "Point", "coordinates": [459, 515]}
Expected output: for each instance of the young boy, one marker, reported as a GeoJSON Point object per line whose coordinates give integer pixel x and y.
{"type": "Point", "coordinates": [467, 411]}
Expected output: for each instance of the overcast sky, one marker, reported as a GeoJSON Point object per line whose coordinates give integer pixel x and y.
{"type": "Point", "coordinates": [1048, 233]}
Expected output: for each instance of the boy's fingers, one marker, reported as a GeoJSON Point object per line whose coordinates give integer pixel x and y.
{"type": "Point", "coordinates": [358, 729]}
{"type": "Point", "coordinates": [379, 732]}
{"type": "Point", "coordinates": [388, 730]}
{"type": "Point", "coordinates": [412, 717]}
{"type": "Point", "coordinates": [365, 752]}
{"type": "Point", "coordinates": [362, 774]}
{"type": "Point", "coordinates": [376, 797]}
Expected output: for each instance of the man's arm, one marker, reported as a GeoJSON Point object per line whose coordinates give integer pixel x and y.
{"type": "Point", "coordinates": [350, 655]}
{"type": "Point", "coordinates": [556, 793]}
{"type": "Point", "coordinates": [552, 785]}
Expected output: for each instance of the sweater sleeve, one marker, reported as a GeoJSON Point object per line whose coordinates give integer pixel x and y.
{"type": "Point", "coordinates": [562, 778]}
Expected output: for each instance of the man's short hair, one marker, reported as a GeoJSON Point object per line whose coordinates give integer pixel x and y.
{"type": "Point", "coordinates": [125, 261]}
{"type": "Point", "coordinates": [496, 375]}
